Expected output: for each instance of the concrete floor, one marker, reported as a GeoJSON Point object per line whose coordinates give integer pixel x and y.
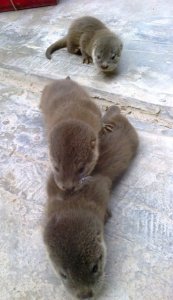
{"type": "Point", "coordinates": [140, 233]}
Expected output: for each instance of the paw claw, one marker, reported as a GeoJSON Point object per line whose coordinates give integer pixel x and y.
{"type": "Point", "coordinates": [108, 127]}
{"type": "Point", "coordinates": [77, 51]}
{"type": "Point", "coordinates": [87, 60]}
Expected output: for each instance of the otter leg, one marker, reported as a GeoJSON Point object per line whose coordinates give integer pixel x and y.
{"type": "Point", "coordinates": [111, 112]}
{"type": "Point", "coordinates": [107, 128]}
{"type": "Point", "coordinates": [84, 41]}
{"type": "Point", "coordinates": [109, 118]}
{"type": "Point", "coordinates": [73, 48]}
{"type": "Point", "coordinates": [108, 215]}
{"type": "Point", "coordinates": [86, 59]}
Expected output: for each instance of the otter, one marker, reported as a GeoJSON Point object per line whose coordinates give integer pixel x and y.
{"type": "Point", "coordinates": [73, 122]}
{"type": "Point", "coordinates": [118, 147]}
{"type": "Point", "coordinates": [90, 37]}
{"type": "Point", "coordinates": [74, 235]}
{"type": "Point", "coordinates": [74, 228]}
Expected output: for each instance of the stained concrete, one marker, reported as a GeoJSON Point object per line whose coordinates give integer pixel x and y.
{"type": "Point", "coordinates": [140, 233]}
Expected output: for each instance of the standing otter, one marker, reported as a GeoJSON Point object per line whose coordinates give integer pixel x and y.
{"type": "Point", "coordinates": [73, 124]}
{"type": "Point", "coordinates": [74, 230]}
{"type": "Point", "coordinates": [91, 38]}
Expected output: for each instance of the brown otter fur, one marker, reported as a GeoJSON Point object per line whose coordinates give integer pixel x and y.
{"type": "Point", "coordinates": [94, 40]}
{"type": "Point", "coordinates": [118, 147]}
{"type": "Point", "coordinates": [73, 123]}
{"type": "Point", "coordinates": [75, 222]}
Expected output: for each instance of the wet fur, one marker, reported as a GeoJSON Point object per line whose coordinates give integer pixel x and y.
{"type": "Point", "coordinates": [90, 37]}
{"type": "Point", "coordinates": [75, 222]}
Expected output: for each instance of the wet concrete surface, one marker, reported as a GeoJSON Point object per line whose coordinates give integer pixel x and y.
{"type": "Point", "coordinates": [140, 233]}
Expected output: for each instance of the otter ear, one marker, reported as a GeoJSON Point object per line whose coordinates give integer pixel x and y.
{"type": "Point", "coordinates": [68, 78]}
{"type": "Point", "coordinates": [93, 144]}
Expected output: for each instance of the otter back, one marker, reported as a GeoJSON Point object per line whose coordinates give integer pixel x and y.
{"type": "Point", "coordinates": [73, 123]}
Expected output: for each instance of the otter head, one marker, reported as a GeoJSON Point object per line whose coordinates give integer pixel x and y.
{"type": "Point", "coordinates": [77, 251]}
{"type": "Point", "coordinates": [107, 52]}
{"type": "Point", "coordinates": [73, 153]}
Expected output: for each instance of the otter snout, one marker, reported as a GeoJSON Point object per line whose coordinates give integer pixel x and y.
{"type": "Point", "coordinates": [86, 295]}
{"type": "Point", "coordinates": [70, 186]}
{"type": "Point", "coordinates": [67, 186]}
{"type": "Point", "coordinates": [104, 66]}
{"type": "Point", "coordinates": [69, 189]}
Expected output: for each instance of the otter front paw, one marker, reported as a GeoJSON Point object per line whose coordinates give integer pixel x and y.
{"type": "Point", "coordinates": [107, 128]}
{"type": "Point", "coordinates": [108, 215]}
{"type": "Point", "coordinates": [77, 51]}
{"type": "Point", "coordinates": [87, 60]}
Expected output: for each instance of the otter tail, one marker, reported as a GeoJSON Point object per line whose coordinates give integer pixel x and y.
{"type": "Point", "coordinates": [62, 43]}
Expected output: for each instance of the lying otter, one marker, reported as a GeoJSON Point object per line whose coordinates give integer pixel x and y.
{"type": "Point", "coordinates": [73, 122]}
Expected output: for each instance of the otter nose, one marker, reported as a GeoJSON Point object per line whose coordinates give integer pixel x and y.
{"type": "Point", "coordinates": [86, 295]}
{"type": "Point", "coordinates": [104, 66]}
{"type": "Point", "coordinates": [69, 189]}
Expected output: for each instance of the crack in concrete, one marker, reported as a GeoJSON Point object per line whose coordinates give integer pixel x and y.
{"type": "Point", "coordinates": [35, 83]}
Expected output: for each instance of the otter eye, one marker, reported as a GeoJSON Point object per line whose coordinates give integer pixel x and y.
{"type": "Point", "coordinates": [80, 171]}
{"type": "Point", "coordinates": [98, 57]}
{"type": "Point", "coordinates": [95, 269]}
{"type": "Point", "coordinates": [113, 56]}
{"type": "Point", "coordinates": [56, 169]}
{"type": "Point", "coordinates": [64, 276]}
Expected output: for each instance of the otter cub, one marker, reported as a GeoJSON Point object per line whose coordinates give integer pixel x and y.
{"type": "Point", "coordinates": [117, 147]}
{"type": "Point", "coordinates": [91, 38]}
{"type": "Point", "coordinates": [74, 230]}
{"type": "Point", "coordinates": [74, 236]}
{"type": "Point", "coordinates": [73, 123]}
